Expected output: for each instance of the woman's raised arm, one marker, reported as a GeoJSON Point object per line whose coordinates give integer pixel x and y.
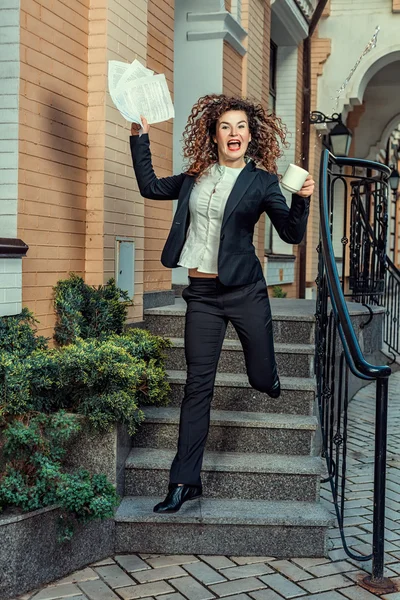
{"type": "Point", "coordinates": [150, 186]}
{"type": "Point", "coordinates": [290, 223]}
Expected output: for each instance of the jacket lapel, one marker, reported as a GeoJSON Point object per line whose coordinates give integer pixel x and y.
{"type": "Point", "coordinates": [242, 183]}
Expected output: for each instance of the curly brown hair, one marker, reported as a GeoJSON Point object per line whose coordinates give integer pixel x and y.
{"type": "Point", "coordinates": [268, 134]}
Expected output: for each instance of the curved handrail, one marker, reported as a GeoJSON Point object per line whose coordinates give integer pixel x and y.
{"type": "Point", "coordinates": [393, 267]}
{"type": "Point", "coordinates": [351, 346]}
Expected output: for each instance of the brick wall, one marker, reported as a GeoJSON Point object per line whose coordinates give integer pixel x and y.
{"type": "Point", "coordinates": [10, 269]}
{"type": "Point", "coordinates": [266, 55]}
{"type": "Point", "coordinates": [52, 147]}
{"type": "Point", "coordinates": [320, 51]}
{"type": "Point", "coordinates": [123, 205]}
{"type": "Point", "coordinates": [256, 19]}
{"type": "Point", "coordinates": [253, 14]}
{"type": "Point", "coordinates": [158, 215]}
{"type": "Point", "coordinates": [294, 288]}
{"type": "Point", "coordinates": [396, 6]}
{"type": "Point", "coordinates": [299, 101]}
{"type": "Point", "coordinates": [97, 73]}
{"type": "Point", "coordinates": [232, 71]}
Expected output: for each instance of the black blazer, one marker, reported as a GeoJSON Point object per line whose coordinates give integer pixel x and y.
{"type": "Point", "coordinates": [254, 192]}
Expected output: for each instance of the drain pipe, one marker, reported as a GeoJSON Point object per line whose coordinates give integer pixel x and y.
{"type": "Point", "coordinates": [305, 138]}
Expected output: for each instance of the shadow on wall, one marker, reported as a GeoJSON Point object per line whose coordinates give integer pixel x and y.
{"type": "Point", "coordinates": [63, 141]}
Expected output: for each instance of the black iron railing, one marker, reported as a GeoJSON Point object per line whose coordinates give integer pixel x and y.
{"type": "Point", "coordinates": [391, 302]}
{"type": "Point", "coordinates": [373, 277]}
{"type": "Point", "coordinates": [338, 355]}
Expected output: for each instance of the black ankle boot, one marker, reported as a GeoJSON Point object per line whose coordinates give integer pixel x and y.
{"type": "Point", "coordinates": [177, 495]}
{"type": "Point", "coordinates": [275, 391]}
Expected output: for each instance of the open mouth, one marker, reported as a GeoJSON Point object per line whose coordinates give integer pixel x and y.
{"type": "Point", "coordinates": [234, 145]}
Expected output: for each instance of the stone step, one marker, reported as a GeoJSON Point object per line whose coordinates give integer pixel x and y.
{"type": "Point", "coordinates": [229, 475]}
{"type": "Point", "coordinates": [233, 392]}
{"type": "Point", "coordinates": [292, 320]}
{"type": "Point", "coordinates": [293, 360]}
{"type": "Point", "coordinates": [233, 431]}
{"type": "Point", "coordinates": [237, 527]}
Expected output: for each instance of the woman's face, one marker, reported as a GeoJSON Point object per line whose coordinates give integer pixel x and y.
{"type": "Point", "coordinates": [232, 137]}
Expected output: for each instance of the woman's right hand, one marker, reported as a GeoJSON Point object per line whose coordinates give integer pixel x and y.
{"type": "Point", "coordinates": [144, 127]}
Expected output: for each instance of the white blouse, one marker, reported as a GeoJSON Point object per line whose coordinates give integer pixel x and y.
{"type": "Point", "coordinates": [206, 205]}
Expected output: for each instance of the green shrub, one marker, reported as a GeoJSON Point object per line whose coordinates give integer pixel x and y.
{"type": "Point", "coordinates": [33, 477]}
{"type": "Point", "coordinates": [277, 292]}
{"type": "Point", "coordinates": [105, 380]}
{"type": "Point", "coordinates": [18, 334]}
{"type": "Point", "coordinates": [96, 372]}
{"type": "Point", "coordinates": [84, 311]}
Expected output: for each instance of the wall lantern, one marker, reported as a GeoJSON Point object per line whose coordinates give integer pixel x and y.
{"type": "Point", "coordinates": [394, 181]}
{"type": "Point", "coordinates": [339, 137]}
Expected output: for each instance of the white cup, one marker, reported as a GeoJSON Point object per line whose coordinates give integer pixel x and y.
{"type": "Point", "coordinates": [294, 178]}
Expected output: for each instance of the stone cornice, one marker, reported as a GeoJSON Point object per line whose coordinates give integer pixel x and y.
{"type": "Point", "coordinates": [217, 25]}
{"type": "Point", "coordinates": [292, 18]}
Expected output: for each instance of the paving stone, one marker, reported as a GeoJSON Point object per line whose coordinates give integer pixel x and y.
{"type": "Point", "coordinates": [355, 576]}
{"type": "Point", "coordinates": [218, 562]}
{"type": "Point", "coordinates": [114, 576]}
{"type": "Point", "coordinates": [395, 567]}
{"type": "Point", "coordinates": [83, 575]}
{"type": "Point", "coordinates": [395, 596]}
{"type": "Point", "coordinates": [131, 562]}
{"type": "Point", "coordinates": [357, 593]}
{"type": "Point", "coordinates": [66, 590]}
{"type": "Point", "coordinates": [97, 590]}
{"type": "Point", "coordinates": [103, 563]}
{"type": "Point", "coordinates": [174, 596]}
{"type": "Point", "coordinates": [169, 561]}
{"type": "Point", "coordinates": [247, 560]}
{"type": "Point", "coordinates": [309, 562]}
{"type": "Point", "coordinates": [324, 596]}
{"type": "Point", "coordinates": [266, 595]}
{"type": "Point", "coordinates": [283, 586]}
{"type": "Point", "coordinates": [321, 584]}
{"type": "Point", "coordinates": [331, 568]}
{"type": "Point", "coordinates": [338, 554]}
{"type": "Point", "coordinates": [204, 573]}
{"type": "Point", "coordinates": [236, 587]}
{"type": "Point", "coordinates": [246, 571]}
{"type": "Point", "coordinates": [147, 589]}
{"type": "Point", "coordinates": [191, 588]}
{"type": "Point", "coordinates": [290, 570]}
{"type": "Point", "coordinates": [160, 573]}
{"type": "Point", "coordinates": [238, 597]}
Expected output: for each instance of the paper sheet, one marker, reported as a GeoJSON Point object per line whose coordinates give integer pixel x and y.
{"type": "Point", "coordinates": [136, 91]}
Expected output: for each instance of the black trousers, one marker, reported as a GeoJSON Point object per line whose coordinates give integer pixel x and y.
{"type": "Point", "coordinates": [210, 306]}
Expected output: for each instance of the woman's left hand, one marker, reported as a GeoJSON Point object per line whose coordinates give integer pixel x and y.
{"type": "Point", "coordinates": [308, 187]}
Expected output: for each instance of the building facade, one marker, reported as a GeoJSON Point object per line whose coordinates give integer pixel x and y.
{"type": "Point", "coordinates": [67, 187]}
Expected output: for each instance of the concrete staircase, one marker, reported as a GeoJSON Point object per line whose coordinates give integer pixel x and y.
{"type": "Point", "coordinates": [261, 471]}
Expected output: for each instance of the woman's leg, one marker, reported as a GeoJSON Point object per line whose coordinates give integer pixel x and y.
{"type": "Point", "coordinates": [204, 334]}
{"type": "Point", "coordinates": [251, 317]}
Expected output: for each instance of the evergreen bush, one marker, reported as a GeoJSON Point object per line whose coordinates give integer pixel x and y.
{"type": "Point", "coordinates": [105, 380]}
{"type": "Point", "coordinates": [98, 371]}
{"type": "Point", "coordinates": [277, 292]}
{"type": "Point", "coordinates": [33, 477]}
{"type": "Point", "coordinates": [18, 334]}
{"type": "Point", "coordinates": [85, 311]}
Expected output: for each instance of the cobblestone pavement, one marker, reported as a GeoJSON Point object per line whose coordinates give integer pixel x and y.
{"type": "Point", "coordinates": [150, 577]}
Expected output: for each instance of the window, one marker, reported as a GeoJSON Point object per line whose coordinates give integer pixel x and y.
{"type": "Point", "coordinates": [272, 76]}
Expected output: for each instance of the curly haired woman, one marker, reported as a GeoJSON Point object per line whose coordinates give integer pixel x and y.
{"type": "Point", "coordinates": [231, 146]}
